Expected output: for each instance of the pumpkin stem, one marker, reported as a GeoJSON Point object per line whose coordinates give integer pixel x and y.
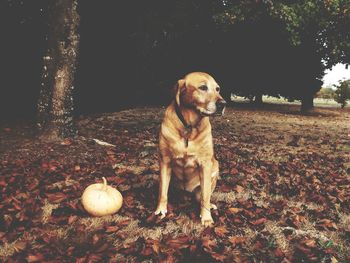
{"type": "Point", "coordinates": [104, 183]}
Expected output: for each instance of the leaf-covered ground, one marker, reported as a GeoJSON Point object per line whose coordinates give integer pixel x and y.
{"type": "Point", "coordinates": [283, 196]}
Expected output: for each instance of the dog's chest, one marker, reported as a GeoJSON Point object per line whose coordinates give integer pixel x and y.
{"type": "Point", "coordinates": [186, 171]}
{"type": "Point", "coordinates": [186, 161]}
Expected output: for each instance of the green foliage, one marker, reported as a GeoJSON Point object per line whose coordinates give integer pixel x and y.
{"type": "Point", "coordinates": [271, 47]}
{"type": "Point", "coordinates": [326, 22]}
{"type": "Point", "coordinates": [326, 93]}
{"type": "Point", "coordinates": [318, 36]}
{"type": "Point", "coordinates": [238, 12]}
{"type": "Point", "coordinates": [342, 94]}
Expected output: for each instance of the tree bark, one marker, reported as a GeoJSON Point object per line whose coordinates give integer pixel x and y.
{"type": "Point", "coordinates": [55, 104]}
{"type": "Point", "coordinates": [226, 94]}
{"type": "Point", "coordinates": [258, 99]}
{"type": "Point", "coordinates": [307, 103]}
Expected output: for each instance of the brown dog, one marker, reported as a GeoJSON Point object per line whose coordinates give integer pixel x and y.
{"type": "Point", "coordinates": [186, 145]}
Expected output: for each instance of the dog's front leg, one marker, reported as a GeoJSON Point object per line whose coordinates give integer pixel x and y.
{"type": "Point", "coordinates": [165, 174]}
{"type": "Point", "coordinates": [205, 182]}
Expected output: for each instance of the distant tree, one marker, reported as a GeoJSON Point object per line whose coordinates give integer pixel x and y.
{"type": "Point", "coordinates": [318, 34]}
{"type": "Point", "coordinates": [55, 105]}
{"type": "Point", "coordinates": [342, 93]}
{"type": "Point", "coordinates": [325, 93]}
{"type": "Point", "coordinates": [323, 27]}
{"type": "Point", "coordinates": [258, 98]}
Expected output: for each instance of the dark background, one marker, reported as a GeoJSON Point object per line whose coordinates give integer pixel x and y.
{"type": "Point", "coordinates": [132, 52]}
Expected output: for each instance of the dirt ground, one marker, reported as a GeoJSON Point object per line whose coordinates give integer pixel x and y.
{"type": "Point", "coordinates": [283, 196]}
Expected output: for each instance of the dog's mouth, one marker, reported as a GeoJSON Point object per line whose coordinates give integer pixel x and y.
{"type": "Point", "coordinates": [220, 111]}
{"type": "Point", "coordinates": [206, 113]}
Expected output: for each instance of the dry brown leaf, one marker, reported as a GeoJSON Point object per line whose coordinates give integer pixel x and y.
{"type": "Point", "coordinates": [218, 256]}
{"type": "Point", "coordinates": [208, 243]}
{"type": "Point", "coordinates": [35, 257]}
{"type": "Point", "coordinates": [310, 243]}
{"type": "Point", "coordinates": [221, 231]}
{"type": "Point", "coordinates": [235, 210]}
{"type": "Point", "coordinates": [56, 197]}
{"type": "Point", "coordinates": [239, 188]}
{"type": "Point", "coordinates": [19, 245]}
{"type": "Point", "coordinates": [278, 252]}
{"type": "Point", "coordinates": [66, 142]}
{"type": "Point", "coordinates": [259, 221]}
{"type": "Point", "coordinates": [178, 243]}
{"type": "Point", "coordinates": [235, 240]}
{"type": "Point", "coordinates": [111, 229]}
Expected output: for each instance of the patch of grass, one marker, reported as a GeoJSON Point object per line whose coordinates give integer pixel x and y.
{"type": "Point", "coordinates": [47, 211]}
{"type": "Point", "coordinates": [344, 148]}
{"type": "Point", "coordinates": [279, 238]}
{"type": "Point", "coordinates": [20, 244]}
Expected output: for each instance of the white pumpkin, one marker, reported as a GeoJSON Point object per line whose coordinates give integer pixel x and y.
{"type": "Point", "coordinates": [101, 199]}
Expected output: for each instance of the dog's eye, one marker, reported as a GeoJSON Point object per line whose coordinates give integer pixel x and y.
{"type": "Point", "coordinates": [217, 89]}
{"type": "Point", "coordinates": [203, 87]}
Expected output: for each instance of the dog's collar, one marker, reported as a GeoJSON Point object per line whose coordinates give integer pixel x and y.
{"type": "Point", "coordinates": [188, 127]}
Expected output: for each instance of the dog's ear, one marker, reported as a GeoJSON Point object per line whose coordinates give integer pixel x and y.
{"type": "Point", "coordinates": [179, 87]}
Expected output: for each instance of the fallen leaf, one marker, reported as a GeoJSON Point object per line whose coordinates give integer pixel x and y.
{"type": "Point", "coordinates": [239, 188]}
{"type": "Point", "coordinates": [72, 219]}
{"type": "Point", "coordinates": [34, 184]}
{"type": "Point", "coordinates": [327, 224]}
{"type": "Point", "coordinates": [56, 197]}
{"type": "Point", "coordinates": [208, 243]}
{"type": "Point", "coordinates": [19, 245]}
{"type": "Point", "coordinates": [35, 257]}
{"type": "Point", "coordinates": [235, 210]}
{"type": "Point", "coordinates": [146, 251]}
{"type": "Point", "coordinates": [178, 243]}
{"type": "Point", "coordinates": [233, 171]}
{"type": "Point", "coordinates": [66, 142]}
{"type": "Point", "coordinates": [258, 221]}
{"type": "Point", "coordinates": [310, 243]}
{"type": "Point", "coordinates": [235, 240]}
{"type": "Point", "coordinates": [221, 231]}
{"type": "Point", "coordinates": [278, 253]}
{"type": "Point", "coordinates": [111, 229]}
{"type": "Point", "coordinates": [218, 256]}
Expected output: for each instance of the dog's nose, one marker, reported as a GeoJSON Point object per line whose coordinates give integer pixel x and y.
{"type": "Point", "coordinates": [221, 103]}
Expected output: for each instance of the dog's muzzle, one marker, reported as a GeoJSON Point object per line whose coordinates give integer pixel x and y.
{"type": "Point", "coordinates": [220, 107]}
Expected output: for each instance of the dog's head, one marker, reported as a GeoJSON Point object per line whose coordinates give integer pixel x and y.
{"type": "Point", "coordinates": [200, 91]}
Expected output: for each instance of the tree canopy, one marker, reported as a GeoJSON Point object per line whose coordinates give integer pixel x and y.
{"type": "Point", "coordinates": [318, 35]}
{"type": "Point", "coordinates": [133, 52]}
{"type": "Point", "coordinates": [342, 93]}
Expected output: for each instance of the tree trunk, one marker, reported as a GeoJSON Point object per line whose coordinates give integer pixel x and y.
{"type": "Point", "coordinates": [307, 103]}
{"type": "Point", "coordinates": [258, 99]}
{"type": "Point", "coordinates": [55, 104]}
{"type": "Point", "coordinates": [226, 94]}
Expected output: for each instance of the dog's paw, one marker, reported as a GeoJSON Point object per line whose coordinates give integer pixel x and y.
{"type": "Point", "coordinates": [207, 222]}
{"type": "Point", "coordinates": [206, 219]}
{"type": "Point", "coordinates": [162, 210]}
